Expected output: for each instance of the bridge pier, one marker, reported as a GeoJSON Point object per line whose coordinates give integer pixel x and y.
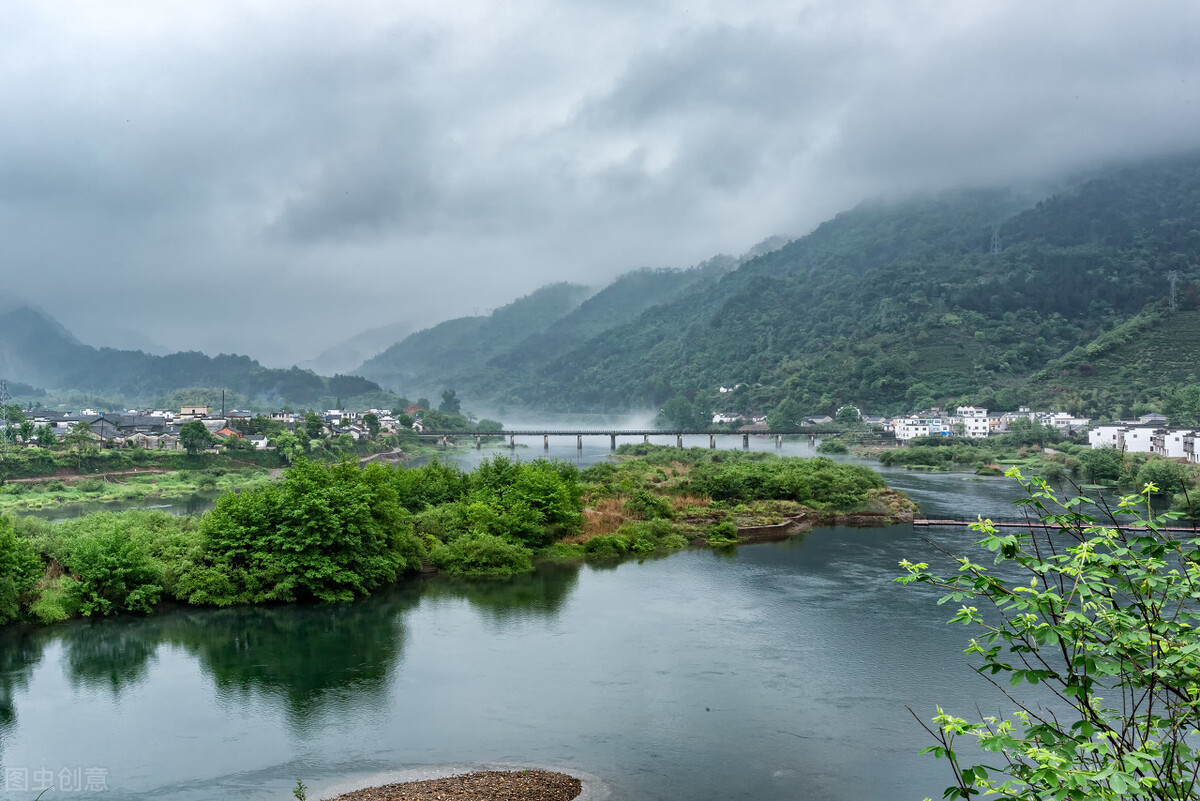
{"type": "Point", "coordinates": [545, 442]}
{"type": "Point", "coordinates": [512, 442]}
{"type": "Point", "coordinates": [679, 440]}
{"type": "Point", "coordinates": [479, 443]}
{"type": "Point", "coordinates": [779, 440]}
{"type": "Point", "coordinates": [712, 440]}
{"type": "Point", "coordinates": [612, 443]}
{"type": "Point", "coordinates": [745, 442]}
{"type": "Point", "coordinates": [645, 439]}
{"type": "Point", "coordinates": [579, 441]}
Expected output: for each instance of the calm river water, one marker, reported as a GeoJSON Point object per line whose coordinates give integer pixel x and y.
{"type": "Point", "coordinates": [773, 671]}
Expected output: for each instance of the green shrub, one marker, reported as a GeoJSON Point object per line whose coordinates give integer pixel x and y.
{"type": "Point", "coordinates": [674, 542]}
{"type": "Point", "coordinates": [649, 506]}
{"type": "Point", "coordinates": [1168, 476]}
{"type": "Point", "coordinates": [446, 522]}
{"type": "Point", "coordinates": [55, 485]}
{"type": "Point", "coordinates": [56, 602]}
{"type": "Point", "coordinates": [832, 446]}
{"type": "Point", "coordinates": [723, 533]}
{"type": "Point", "coordinates": [90, 485]}
{"type": "Point", "coordinates": [20, 570]}
{"type": "Point", "coordinates": [326, 532]}
{"type": "Point", "coordinates": [479, 554]}
{"type": "Point", "coordinates": [606, 546]}
{"type": "Point", "coordinates": [112, 574]}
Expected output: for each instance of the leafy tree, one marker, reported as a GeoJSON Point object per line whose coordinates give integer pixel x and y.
{"type": "Point", "coordinates": [329, 533]}
{"type": "Point", "coordinates": [287, 445]}
{"type": "Point", "coordinates": [194, 437]}
{"type": "Point", "coordinates": [111, 573]}
{"type": "Point", "coordinates": [848, 416]}
{"type": "Point", "coordinates": [81, 441]}
{"type": "Point", "coordinates": [314, 426]}
{"type": "Point", "coordinates": [678, 413]}
{"type": "Point", "coordinates": [1102, 464]}
{"type": "Point", "coordinates": [450, 403]}
{"type": "Point", "coordinates": [20, 570]}
{"type": "Point", "coordinates": [787, 416]}
{"type": "Point", "coordinates": [45, 436]}
{"type": "Point", "coordinates": [424, 403]}
{"type": "Point", "coordinates": [371, 421]}
{"type": "Point", "coordinates": [1104, 616]}
{"type": "Point", "coordinates": [26, 429]}
{"type": "Point", "coordinates": [1162, 473]}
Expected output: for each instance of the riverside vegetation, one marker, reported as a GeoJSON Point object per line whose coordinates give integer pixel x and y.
{"type": "Point", "coordinates": [335, 532]}
{"type": "Point", "coordinates": [1102, 613]}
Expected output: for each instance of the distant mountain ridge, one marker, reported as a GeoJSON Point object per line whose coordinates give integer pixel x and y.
{"type": "Point", "coordinates": [484, 356]}
{"type": "Point", "coordinates": [37, 350]}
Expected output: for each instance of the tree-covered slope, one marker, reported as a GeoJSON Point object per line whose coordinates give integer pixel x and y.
{"type": "Point", "coordinates": [39, 351]}
{"type": "Point", "coordinates": [433, 359]}
{"type": "Point", "coordinates": [895, 305]}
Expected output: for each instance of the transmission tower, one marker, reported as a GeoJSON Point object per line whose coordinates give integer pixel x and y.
{"type": "Point", "coordinates": [996, 241]}
{"type": "Point", "coordinates": [5, 398]}
{"type": "Point", "coordinates": [1173, 277]}
{"type": "Point", "coordinates": [883, 313]}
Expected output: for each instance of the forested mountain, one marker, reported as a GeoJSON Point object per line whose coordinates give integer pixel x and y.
{"type": "Point", "coordinates": [432, 359]}
{"type": "Point", "coordinates": [967, 296]}
{"type": "Point", "coordinates": [37, 350]}
{"type": "Point", "coordinates": [487, 357]}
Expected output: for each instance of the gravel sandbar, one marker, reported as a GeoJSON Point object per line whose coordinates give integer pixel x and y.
{"type": "Point", "coordinates": [486, 785]}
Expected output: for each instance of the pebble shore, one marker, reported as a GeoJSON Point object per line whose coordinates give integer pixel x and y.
{"type": "Point", "coordinates": [488, 785]}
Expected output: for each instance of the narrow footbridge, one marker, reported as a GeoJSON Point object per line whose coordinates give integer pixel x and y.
{"type": "Point", "coordinates": [613, 434]}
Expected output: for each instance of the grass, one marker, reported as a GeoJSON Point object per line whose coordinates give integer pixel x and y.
{"type": "Point", "coordinates": [44, 494]}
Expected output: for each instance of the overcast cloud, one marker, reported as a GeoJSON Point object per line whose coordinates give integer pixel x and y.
{"type": "Point", "coordinates": [273, 177]}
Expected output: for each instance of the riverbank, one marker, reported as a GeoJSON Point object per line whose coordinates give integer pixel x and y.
{"type": "Point", "coordinates": [334, 533]}
{"type": "Point", "coordinates": [488, 785]}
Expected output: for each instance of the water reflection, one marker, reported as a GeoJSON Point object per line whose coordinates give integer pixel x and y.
{"type": "Point", "coordinates": [315, 660]}
{"type": "Point", "coordinates": [21, 649]}
{"type": "Point", "coordinates": [110, 653]}
{"type": "Point", "coordinates": [541, 593]}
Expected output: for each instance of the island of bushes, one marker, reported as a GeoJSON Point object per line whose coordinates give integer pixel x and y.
{"type": "Point", "coordinates": [335, 532]}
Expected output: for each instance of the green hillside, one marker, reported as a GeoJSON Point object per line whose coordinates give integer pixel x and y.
{"type": "Point", "coordinates": [39, 351]}
{"type": "Point", "coordinates": [431, 360]}
{"type": "Point", "coordinates": [1129, 369]}
{"type": "Point", "coordinates": [965, 296]}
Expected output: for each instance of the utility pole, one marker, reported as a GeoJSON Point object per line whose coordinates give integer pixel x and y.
{"type": "Point", "coordinates": [1173, 277]}
{"type": "Point", "coordinates": [996, 241]}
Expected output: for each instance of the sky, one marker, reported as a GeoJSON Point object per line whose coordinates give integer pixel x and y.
{"type": "Point", "coordinates": [272, 177]}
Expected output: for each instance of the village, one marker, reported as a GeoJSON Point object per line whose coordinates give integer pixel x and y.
{"type": "Point", "coordinates": [159, 429]}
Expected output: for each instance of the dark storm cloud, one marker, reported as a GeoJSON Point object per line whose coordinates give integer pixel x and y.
{"type": "Point", "coordinates": [272, 177]}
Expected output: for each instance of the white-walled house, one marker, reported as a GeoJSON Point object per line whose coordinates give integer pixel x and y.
{"type": "Point", "coordinates": [909, 427]}
{"type": "Point", "coordinates": [973, 420]}
{"type": "Point", "coordinates": [1131, 439]}
{"type": "Point", "coordinates": [1171, 442]}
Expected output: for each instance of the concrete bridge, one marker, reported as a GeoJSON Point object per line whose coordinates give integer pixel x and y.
{"type": "Point", "coordinates": [645, 434]}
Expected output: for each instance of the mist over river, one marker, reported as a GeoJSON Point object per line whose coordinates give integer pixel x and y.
{"type": "Point", "coordinates": [769, 672]}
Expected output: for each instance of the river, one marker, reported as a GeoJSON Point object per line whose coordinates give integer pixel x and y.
{"type": "Point", "coordinates": [772, 671]}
